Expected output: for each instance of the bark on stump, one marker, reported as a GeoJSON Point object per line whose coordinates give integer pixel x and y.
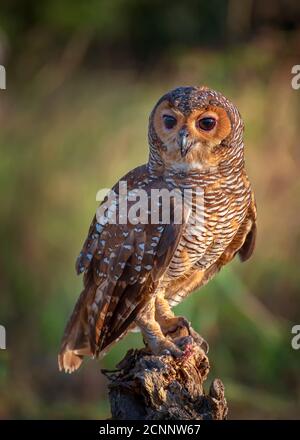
{"type": "Point", "coordinates": [148, 387]}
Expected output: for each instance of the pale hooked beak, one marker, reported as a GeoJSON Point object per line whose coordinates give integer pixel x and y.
{"type": "Point", "coordinates": [184, 142]}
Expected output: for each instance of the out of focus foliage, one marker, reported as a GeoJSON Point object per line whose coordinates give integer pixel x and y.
{"type": "Point", "coordinates": [82, 79]}
{"type": "Point", "coordinates": [141, 29]}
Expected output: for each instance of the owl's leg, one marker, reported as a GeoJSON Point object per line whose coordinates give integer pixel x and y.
{"type": "Point", "coordinates": [166, 318]}
{"type": "Point", "coordinates": [152, 333]}
{"type": "Point", "coordinates": [170, 323]}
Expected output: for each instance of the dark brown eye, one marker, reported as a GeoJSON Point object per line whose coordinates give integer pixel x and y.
{"type": "Point", "coordinates": [169, 121]}
{"type": "Point", "coordinates": [206, 123]}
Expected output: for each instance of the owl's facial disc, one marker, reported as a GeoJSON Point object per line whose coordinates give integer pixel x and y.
{"type": "Point", "coordinates": [191, 137]}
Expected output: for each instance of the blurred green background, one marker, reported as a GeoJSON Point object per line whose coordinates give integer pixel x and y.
{"type": "Point", "coordinates": [82, 77]}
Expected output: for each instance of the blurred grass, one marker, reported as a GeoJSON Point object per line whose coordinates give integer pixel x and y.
{"type": "Point", "coordinates": [61, 142]}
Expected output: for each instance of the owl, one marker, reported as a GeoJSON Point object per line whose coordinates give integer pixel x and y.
{"type": "Point", "coordinates": [136, 271]}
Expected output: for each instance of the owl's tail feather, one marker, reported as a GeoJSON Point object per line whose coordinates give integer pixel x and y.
{"type": "Point", "coordinates": [68, 361]}
{"type": "Point", "coordinates": [75, 343]}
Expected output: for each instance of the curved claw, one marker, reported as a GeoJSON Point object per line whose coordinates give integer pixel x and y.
{"type": "Point", "coordinates": [199, 340]}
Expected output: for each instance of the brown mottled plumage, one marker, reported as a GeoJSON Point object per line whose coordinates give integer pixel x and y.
{"type": "Point", "coordinates": [133, 273]}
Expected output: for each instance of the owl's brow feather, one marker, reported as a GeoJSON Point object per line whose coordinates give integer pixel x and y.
{"type": "Point", "coordinates": [188, 99]}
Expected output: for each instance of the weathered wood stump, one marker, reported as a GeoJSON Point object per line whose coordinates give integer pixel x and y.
{"type": "Point", "coordinates": [148, 387]}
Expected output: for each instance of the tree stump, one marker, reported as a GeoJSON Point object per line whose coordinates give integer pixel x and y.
{"type": "Point", "coordinates": [149, 387]}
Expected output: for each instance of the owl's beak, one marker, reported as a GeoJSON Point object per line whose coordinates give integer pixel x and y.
{"type": "Point", "coordinates": [184, 142]}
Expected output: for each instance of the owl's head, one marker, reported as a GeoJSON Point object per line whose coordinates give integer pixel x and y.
{"type": "Point", "coordinates": [194, 128]}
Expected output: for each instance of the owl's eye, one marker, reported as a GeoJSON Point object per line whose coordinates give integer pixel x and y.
{"type": "Point", "coordinates": [169, 121]}
{"type": "Point", "coordinates": [206, 123]}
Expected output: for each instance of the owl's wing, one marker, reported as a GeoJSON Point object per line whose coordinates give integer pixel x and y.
{"type": "Point", "coordinates": [122, 265]}
{"type": "Point", "coordinates": [248, 246]}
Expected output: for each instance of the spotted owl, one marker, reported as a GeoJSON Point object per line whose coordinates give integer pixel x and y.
{"type": "Point", "coordinates": [134, 271]}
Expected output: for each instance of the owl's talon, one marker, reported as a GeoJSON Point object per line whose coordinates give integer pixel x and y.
{"type": "Point", "coordinates": [183, 342]}
{"type": "Point", "coordinates": [179, 322]}
{"type": "Point", "coordinates": [175, 324]}
{"type": "Point", "coordinates": [199, 340]}
{"type": "Point", "coordinates": [166, 352]}
{"type": "Point", "coordinates": [167, 347]}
